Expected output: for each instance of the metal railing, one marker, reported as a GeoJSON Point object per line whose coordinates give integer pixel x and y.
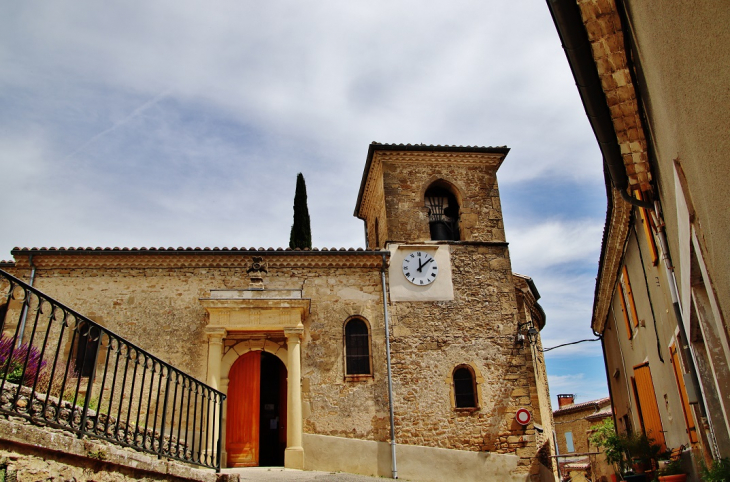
{"type": "Point", "coordinates": [59, 368]}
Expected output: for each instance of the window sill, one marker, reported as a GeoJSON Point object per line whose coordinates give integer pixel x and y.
{"type": "Point", "coordinates": [358, 378]}
{"type": "Point", "coordinates": [466, 409]}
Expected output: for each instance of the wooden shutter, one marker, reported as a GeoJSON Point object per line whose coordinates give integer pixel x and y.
{"type": "Point", "coordinates": [627, 300]}
{"type": "Point", "coordinates": [629, 294]}
{"type": "Point", "coordinates": [244, 399]}
{"type": "Point", "coordinates": [645, 219]}
{"type": "Point", "coordinates": [648, 408]}
{"type": "Point", "coordinates": [678, 375]}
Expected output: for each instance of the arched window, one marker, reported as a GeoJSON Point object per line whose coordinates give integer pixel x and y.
{"type": "Point", "coordinates": [465, 395]}
{"type": "Point", "coordinates": [357, 347]}
{"type": "Point", "coordinates": [443, 213]}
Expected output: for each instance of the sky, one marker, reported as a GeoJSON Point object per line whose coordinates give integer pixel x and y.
{"type": "Point", "coordinates": [181, 123]}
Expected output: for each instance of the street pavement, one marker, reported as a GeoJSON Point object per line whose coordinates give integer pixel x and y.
{"type": "Point", "coordinates": [279, 473]}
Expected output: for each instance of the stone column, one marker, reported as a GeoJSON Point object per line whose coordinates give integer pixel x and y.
{"type": "Point", "coordinates": [294, 455]}
{"type": "Point", "coordinates": [215, 355]}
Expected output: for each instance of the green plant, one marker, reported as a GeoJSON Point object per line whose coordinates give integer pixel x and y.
{"type": "Point", "coordinates": [623, 450]}
{"type": "Point", "coordinates": [719, 471]}
{"type": "Point", "coordinates": [97, 454]}
{"type": "Point", "coordinates": [674, 467]}
{"type": "Point", "coordinates": [642, 448]}
{"type": "Point", "coordinates": [16, 359]}
{"type": "Point", "coordinates": [614, 445]}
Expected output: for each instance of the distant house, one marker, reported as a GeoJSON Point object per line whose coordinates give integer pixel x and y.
{"type": "Point", "coordinates": [573, 427]}
{"type": "Point", "coordinates": [653, 78]}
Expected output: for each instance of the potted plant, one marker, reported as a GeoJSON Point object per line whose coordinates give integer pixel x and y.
{"type": "Point", "coordinates": [643, 453]}
{"type": "Point", "coordinates": [672, 472]}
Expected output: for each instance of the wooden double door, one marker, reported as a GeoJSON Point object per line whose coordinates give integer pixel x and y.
{"type": "Point", "coordinates": [256, 417]}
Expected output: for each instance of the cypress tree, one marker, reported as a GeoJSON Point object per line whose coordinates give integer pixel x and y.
{"type": "Point", "coordinates": [301, 234]}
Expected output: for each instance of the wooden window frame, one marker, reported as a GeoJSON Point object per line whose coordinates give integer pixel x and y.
{"type": "Point", "coordinates": [648, 231]}
{"type": "Point", "coordinates": [357, 376]}
{"type": "Point", "coordinates": [627, 302]}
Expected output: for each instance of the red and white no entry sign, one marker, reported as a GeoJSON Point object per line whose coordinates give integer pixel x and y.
{"type": "Point", "coordinates": [523, 416]}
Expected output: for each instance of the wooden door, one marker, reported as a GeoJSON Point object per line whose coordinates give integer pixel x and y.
{"type": "Point", "coordinates": [648, 408]}
{"type": "Point", "coordinates": [242, 422]}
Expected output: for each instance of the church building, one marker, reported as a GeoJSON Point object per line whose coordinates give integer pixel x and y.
{"type": "Point", "coordinates": [418, 356]}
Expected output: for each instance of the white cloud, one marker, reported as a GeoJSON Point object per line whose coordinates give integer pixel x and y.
{"type": "Point", "coordinates": [555, 242]}
{"type": "Point", "coordinates": [585, 388]}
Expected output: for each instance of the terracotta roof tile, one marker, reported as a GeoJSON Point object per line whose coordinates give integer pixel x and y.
{"type": "Point", "coordinates": [576, 407]}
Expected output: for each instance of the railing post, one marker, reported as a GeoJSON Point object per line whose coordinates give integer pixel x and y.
{"type": "Point", "coordinates": [164, 416]}
{"type": "Point", "coordinates": [89, 385]}
{"type": "Point", "coordinates": [221, 397]}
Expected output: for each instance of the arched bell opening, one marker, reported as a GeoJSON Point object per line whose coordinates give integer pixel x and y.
{"type": "Point", "coordinates": [443, 212]}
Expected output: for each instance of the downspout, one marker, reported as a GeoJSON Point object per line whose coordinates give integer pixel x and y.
{"type": "Point", "coordinates": [569, 24]}
{"type": "Point", "coordinates": [25, 305]}
{"type": "Point", "coordinates": [394, 468]}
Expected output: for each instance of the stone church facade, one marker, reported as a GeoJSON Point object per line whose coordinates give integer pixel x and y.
{"type": "Point", "coordinates": [309, 344]}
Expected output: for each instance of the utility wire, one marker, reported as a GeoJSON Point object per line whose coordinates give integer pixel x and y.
{"type": "Point", "coordinates": [566, 344]}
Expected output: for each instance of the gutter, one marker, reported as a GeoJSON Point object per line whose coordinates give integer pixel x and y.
{"type": "Point", "coordinates": [569, 24]}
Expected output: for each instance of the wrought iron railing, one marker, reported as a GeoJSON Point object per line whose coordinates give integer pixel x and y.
{"type": "Point", "coordinates": [59, 368]}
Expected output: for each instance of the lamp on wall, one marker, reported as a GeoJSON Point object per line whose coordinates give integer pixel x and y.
{"type": "Point", "coordinates": [532, 333]}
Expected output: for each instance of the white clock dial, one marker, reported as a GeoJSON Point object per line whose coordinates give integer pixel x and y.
{"type": "Point", "coordinates": [420, 268]}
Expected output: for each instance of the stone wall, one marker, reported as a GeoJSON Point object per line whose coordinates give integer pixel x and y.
{"type": "Point", "coordinates": [40, 453]}
{"type": "Point", "coordinates": [477, 328]}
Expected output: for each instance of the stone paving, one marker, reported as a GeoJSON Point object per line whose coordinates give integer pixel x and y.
{"type": "Point", "coordinates": [279, 473]}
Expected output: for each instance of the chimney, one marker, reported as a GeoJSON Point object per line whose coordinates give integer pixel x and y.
{"type": "Point", "coordinates": [565, 399]}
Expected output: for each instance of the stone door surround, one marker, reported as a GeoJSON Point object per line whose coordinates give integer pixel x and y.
{"type": "Point", "coordinates": [256, 311]}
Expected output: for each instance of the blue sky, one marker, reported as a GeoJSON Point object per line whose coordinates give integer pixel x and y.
{"type": "Point", "coordinates": [185, 123]}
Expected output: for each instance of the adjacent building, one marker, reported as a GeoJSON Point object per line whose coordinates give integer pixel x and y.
{"type": "Point", "coordinates": [654, 78]}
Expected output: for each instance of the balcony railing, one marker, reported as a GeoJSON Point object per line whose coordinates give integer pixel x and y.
{"type": "Point", "coordinates": [59, 368]}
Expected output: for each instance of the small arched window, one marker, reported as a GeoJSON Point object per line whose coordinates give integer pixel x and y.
{"type": "Point", "coordinates": [357, 347]}
{"type": "Point", "coordinates": [464, 388]}
{"type": "Point", "coordinates": [443, 213]}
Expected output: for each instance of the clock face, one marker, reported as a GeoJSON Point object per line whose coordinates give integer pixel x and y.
{"type": "Point", "coordinates": [420, 268]}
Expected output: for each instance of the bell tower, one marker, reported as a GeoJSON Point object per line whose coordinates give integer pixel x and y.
{"type": "Point", "coordinates": [419, 194]}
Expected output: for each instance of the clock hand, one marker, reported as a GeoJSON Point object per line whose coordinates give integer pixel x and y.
{"type": "Point", "coordinates": [424, 264]}
{"type": "Point", "coordinates": [420, 265]}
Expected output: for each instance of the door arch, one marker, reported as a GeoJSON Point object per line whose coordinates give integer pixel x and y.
{"type": "Point", "coordinates": [256, 411]}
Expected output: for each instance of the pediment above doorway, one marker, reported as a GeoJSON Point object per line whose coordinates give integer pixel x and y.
{"type": "Point", "coordinates": [256, 310]}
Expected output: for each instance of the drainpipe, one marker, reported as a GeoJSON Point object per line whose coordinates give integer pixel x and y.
{"type": "Point", "coordinates": [25, 305]}
{"type": "Point", "coordinates": [394, 468]}
{"type": "Point", "coordinates": [687, 352]}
